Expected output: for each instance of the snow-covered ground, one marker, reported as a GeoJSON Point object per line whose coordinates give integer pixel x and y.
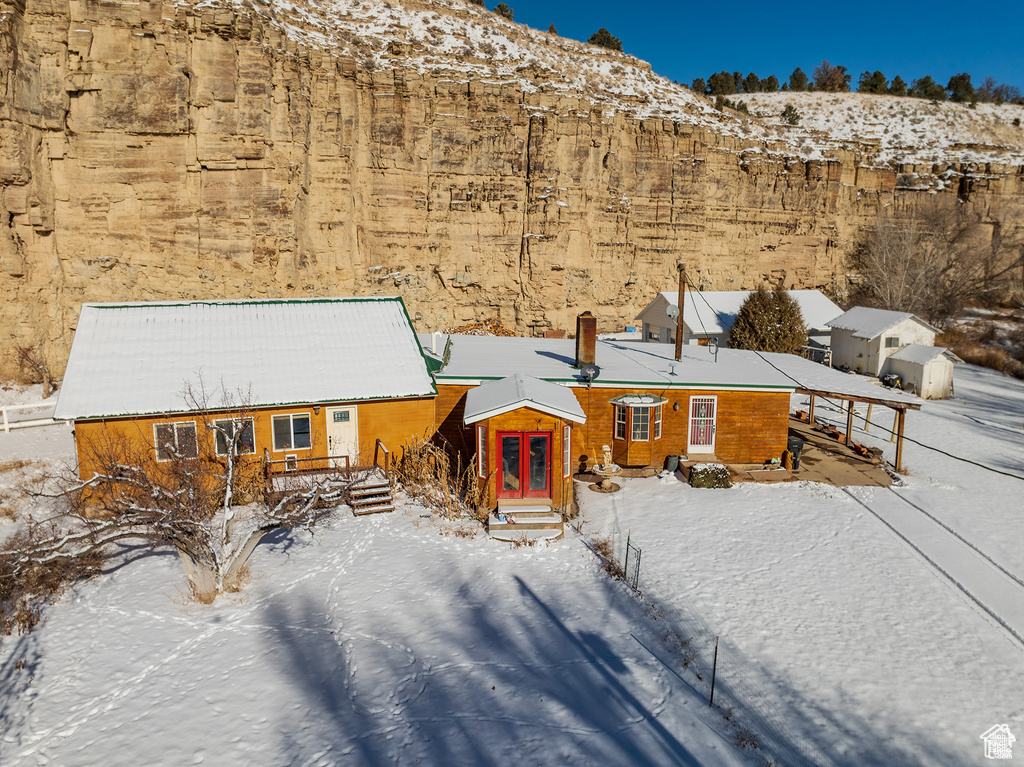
{"type": "Point", "coordinates": [883, 632]}
{"type": "Point", "coordinates": [383, 640]}
{"type": "Point", "coordinates": [380, 640]}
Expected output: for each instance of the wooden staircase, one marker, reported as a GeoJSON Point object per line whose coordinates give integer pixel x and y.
{"type": "Point", "coordinates": [530, 522]}
{"type": "Point", "coordinates": [371, 495]}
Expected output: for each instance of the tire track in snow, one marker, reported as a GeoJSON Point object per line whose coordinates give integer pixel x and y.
{"type": "Point", "coordinates": [102, 704]}
{"type": "Point", "coordinates": [969, 569]}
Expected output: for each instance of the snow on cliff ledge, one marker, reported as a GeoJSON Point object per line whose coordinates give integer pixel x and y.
{"type": "Point", "coordinates": [455, 39]}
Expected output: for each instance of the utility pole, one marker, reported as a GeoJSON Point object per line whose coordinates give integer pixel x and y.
{"type": "Point", "coordinates": [681, 299]}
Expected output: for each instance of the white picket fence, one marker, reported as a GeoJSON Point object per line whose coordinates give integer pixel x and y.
{"type": "Point", "coordinates": [8, 424]}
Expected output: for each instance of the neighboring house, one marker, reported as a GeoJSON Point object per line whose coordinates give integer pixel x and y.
{"type": "Point", "coordinates": [927, 371]}
{"type": "Point", "coordinates": [316, 379]}
{"type": "Point", "coordinates": [710, 314]}
{"type": "Point", "coordinates": [863, 338]}
{"type": "Point", "coordinates": [521, 409]}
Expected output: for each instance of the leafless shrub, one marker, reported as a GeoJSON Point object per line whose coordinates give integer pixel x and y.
{"type": "Point", "coordinates": [604, 549]}
{"type": "Point", "coordinates": [32, 365]}
{"type": "Point", "coordinates": [436, 476]}
{"type": "Point", "coordinates": [521, 541]}
{"type": "Point", "coordinates": [745, 739]}
{"type": "Point", "coordinates": [29, 584]}
{"type": "Point", "coordinates": [15, 464]}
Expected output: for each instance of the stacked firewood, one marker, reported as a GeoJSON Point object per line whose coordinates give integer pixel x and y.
{"type": "Point", "coordinates": [482, 328]}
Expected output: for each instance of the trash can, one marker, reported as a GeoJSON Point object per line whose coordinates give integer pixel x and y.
{"type": "Point", "coordinates": [795, 445]}
{"type": "Point", "coordinates": [671, 463]}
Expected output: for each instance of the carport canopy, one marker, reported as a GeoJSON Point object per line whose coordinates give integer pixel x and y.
{"type": "Point", "coordinates": [816, 380]}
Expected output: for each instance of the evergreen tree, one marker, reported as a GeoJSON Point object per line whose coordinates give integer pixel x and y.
{"type": "Point", "coordinates": [960, 88]}
{"type": "Point", "coordinates": [552, 30]}
{"type": "Point", "coordinates": [872, 82]}
{"type": "Point", "coordinates": [605, 39]}
{"type": "Point", "coordinates": [789, 115]}
{"type": "Point", "coordinates": [798, 80]}
{"type": "Point", "coordinates": [926, 88]}
{"type": "Point", "coordinates": [699, 86]}
{"type": "Point", "coordinates": [502, 9]}
{"type": "Point", "coordinates": [751, 83]}
{"type": "Point", "coordinates": [721, 84]}
{"type": "Point", "coordinates": [477, 2]}
{"type": "Point", "coordinates": [769, 322]}
{"type": "Point", "coordinates": [769, 84]}
{"type": "Point", "coordinates": [897, 87]}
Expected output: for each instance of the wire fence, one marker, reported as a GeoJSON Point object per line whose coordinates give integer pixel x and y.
{"type": "Point", "coordinates": [695, 652]}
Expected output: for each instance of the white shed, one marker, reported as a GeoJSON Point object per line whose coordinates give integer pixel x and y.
{"type": "Point", "coordinates": [927, 371]}
{"type": "Point", "coordinates": [711, 313]}
{"type": "Point", "coordinates": [863, 338]}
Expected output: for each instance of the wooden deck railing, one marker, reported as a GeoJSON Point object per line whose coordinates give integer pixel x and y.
{"type": "Point", "coordinates": [325, 466]}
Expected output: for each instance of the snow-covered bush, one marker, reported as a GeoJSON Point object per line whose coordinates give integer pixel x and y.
{"type": "Point", "coordinates": [712, 475]}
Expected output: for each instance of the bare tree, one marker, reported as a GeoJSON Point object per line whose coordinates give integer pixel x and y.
{"type": "Point", "coordinates": [31, 363]}
{"type": "Point", "coordinates": [935, 262]}
{"type": "Point", "coordinates": [195, 491]}
{"type": "Point", "coordinates": [831, 78]}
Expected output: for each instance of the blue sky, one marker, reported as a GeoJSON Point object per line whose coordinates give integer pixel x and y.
{"type": "Point", "coordinates": [905, 37]}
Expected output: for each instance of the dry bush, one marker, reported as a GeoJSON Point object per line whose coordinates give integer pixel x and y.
{"type": "Point", "coordinates": [16, 464]}
{"type": "Point", "coordinates": [603, 548]}
{"type": "Point", "coordinates": [974, 352]}
{"type": "Point", "coordinates": [745, 739]}
{"type": "Point", "coordinates": [521, 541]}
{"type": "Point", "coordinates": [437, 477]}
{"type": "Point", "coordinates": [27, 587]}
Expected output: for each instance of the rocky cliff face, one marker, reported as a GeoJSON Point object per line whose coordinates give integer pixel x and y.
{"type": "Point", "coordinates": [166, 151]}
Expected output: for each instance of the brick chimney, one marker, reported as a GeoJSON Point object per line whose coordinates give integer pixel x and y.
{"type": "Point", "coordinates": [586, 339]}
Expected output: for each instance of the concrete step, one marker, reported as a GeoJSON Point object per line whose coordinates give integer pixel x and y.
{"type": "Point", "coordinates": [521, 519]}
{"type": "Point", "coordinates": [529, 535]}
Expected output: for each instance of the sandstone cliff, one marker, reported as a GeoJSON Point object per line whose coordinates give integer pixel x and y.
{"type": "Point", "coordinates": [156, 150]}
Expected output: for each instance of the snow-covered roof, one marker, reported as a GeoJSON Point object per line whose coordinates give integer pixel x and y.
{"type": "Point", "coordinates": [813, 376]}
{"type": "Point", "coordinates": [496, 397]}
{"type": "Point", "coordinates": [714, 311]}
{"type": "Point", "coordinates": [919, 354]}
{"type": "Point", "coordinates": [472, 359]}
{"type": "Point", "coordinates": [868, 323]}
{"type": "Point", "coordinates": [136, 359]}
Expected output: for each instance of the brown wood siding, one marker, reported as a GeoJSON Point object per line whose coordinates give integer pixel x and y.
{"type": "Point", "coordinates": [751, 426]}
{"type": "Point", "coordinates": [449, 407]}
{"type": "Point", "coordinates": [394, 422]}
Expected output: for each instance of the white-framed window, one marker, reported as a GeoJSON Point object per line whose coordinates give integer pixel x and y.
{"type": "Point", "coordinates": [175, 439]}
{"type": "Point", "coordinates": [566, 452]}
{"type": "Point", "coordinates": [225, 430]}
{"type": "Point", "coordinates": [291, 432]}
{"type": "Point", "coordinates": [640, 428]}
{"type": "Point", "coordinates": [892, 341]}
{"type": "Point", "coordinates": [481, 451]}
{"type": "Point", "coordinates": [638, 417]}
{"type": "Point", "coordinates": [621, 416]}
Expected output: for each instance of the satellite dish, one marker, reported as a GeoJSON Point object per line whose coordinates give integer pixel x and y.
{"type": "Point", "coordinates": [590, 372]}
{"type": "Point", "coordinates": [672, 311]}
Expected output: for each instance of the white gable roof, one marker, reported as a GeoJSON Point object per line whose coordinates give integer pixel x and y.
{"type": "Point", "coordinates": [714, 311]}
{"type": "Point", "coordinates": [868, 323]}
{"type": "Point", "coordinates": [919, 354]}
{"type": "Point", "coordinates": [496, 397]}
{"type": "Point", "coordinates": [135, 359]}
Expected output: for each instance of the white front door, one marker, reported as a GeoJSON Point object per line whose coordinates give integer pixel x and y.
{"type": "Point", "coordinates": [700, 436]}
{"type": "Point", "coordinates": [342, 436]}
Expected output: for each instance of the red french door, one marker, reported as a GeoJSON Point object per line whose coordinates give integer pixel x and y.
{"type": "Point", "coordinates": [524, 464]}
